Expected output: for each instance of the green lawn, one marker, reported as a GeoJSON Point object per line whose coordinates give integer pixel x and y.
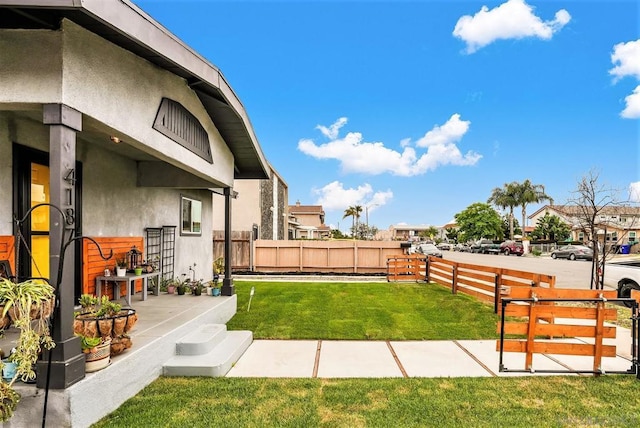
{"type": "Point", "coordinates": [360, 311]}
{"type": "Point", "coordinates": [380, 311]}
{"type": "Point", "coordinates": [549, 401]}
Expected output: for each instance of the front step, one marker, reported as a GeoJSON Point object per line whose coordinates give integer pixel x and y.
{"type": "Point", "coordinates": [202, 340]}
{"type": "Point", "coordinates": [216, 362]}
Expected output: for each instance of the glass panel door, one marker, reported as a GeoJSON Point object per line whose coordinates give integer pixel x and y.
{"type": "Point", "coordinates": [39, 220]}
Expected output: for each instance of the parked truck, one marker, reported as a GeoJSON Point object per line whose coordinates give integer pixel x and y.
{"type": "Point", "coordinates": [485, 246]}
{"type": "Point", "coordinates": [623, 275]}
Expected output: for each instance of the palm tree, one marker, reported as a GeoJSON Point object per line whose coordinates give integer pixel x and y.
{"type": "Point", "coordinates": [505, 197]}
{"type": "Point", "coordinates": [350, 212]}
{"type": "Point", "coordinates": [357, 209]}
{"type": "Point", "coordinates": [528, 193]}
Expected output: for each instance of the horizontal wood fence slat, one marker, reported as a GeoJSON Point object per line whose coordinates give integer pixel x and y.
{"type": "Point", "coordinates": [537, 318]}
{"type": "Point", "coordinates": [93, 265]}
{"type": "Point", "coordinates": [7, 251]}
{"type": "Point", "coordinates": [406, 268]}
{"type": "Point", "coordinates": [483, 282]}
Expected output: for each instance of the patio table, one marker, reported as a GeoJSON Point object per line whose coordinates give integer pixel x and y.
{"type": "Point", "coordinates": [129, 278]}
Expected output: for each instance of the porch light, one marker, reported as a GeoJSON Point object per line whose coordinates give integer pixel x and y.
{"type": "Point", "coordinates": [115, 139]}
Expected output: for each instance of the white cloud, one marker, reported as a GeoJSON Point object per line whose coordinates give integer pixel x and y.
{"type": "Point", "coordinates": [332, 131]}
{"type": "Point", "coordinates": [632, 110]}
{"type": "Point", "coordinates": [511, 20]}
{"type": "Point", "coordinates": [449, 133]}
{"type": "Point", "coordinates": [359, 156]}
{"type": "Point", "coordinates": [626, 58]}
{"type": "Point", "coordinates": [626, 61]}
{"type": "Point", "coordinates": [334, 197]}
{"type": "Point", "coordinates": [634, 191]}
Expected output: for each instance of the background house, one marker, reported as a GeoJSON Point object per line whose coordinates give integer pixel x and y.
{"type": "Point", "coordinates": [307, 222]}
{"type": "Point", "coordinates": [618, 225]}
{"type": "Point", "coordinates": [259, 207]}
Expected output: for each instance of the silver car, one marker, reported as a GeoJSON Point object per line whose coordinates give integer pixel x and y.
{"type": "Point", "coordinates": [429, 250]}
{"type": "Point", "coordinates": [573, 252]}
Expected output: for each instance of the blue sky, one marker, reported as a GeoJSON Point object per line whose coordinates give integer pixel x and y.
{"type": "Point", "coordinates": [417, 109]}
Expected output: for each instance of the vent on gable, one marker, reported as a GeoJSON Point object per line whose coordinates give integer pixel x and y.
{"type": "Point", "coordinates": [175, 122]}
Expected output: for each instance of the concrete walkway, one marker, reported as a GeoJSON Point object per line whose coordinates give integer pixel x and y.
{"type": "Point", "coordinates": [364, 359]}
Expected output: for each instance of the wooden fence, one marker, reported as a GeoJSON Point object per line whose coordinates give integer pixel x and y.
{"type": "Point", "coordinates": [340, 256]}
{"type": "Point", "coordinates": [93, 265]}
{"type": "Point", "coordinates": [410, 267]}
{"type": "Point", "coordinates": [241, 249]}
{"type": "Point", "coordinates": [483, 282]}
{"type": "Point", "coordinates": [531, 321]}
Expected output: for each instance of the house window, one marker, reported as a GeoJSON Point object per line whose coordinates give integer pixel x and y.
{"type": "Point", "coordinates": [632, 237]}
{"type": "Point", "coordinates": [581, 236]}
{"type": "Point", "coordinates": [190, 216]}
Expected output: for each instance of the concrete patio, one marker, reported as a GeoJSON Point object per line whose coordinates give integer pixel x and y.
{"type": "Point", "coordinates": [162, 321]}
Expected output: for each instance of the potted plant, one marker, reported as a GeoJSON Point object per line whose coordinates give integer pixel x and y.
{"type": "Point", "coordinates": [196, 287]}
{"type": "Point", "coordinates": [182, 286]}
{"type": "Point", "coordinates": [171, 285]}
{"type": "Point", "coordinates": [97, 351]}
{"type": "Point", "coordinates": [121, 266]}
{"type": "Point", "coordinates": [31, 303]}
{"type": "Point", "coordinates": [105, 319]}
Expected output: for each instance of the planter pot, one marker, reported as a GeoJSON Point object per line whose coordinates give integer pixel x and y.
{"type": "Point", "coordinates": [215, 291]}
{"type": "Point", "coordinates": [137, 271]}
{"type": "Point", "coordinates": [197, 292]}
{"type": "Point", "coordinates": [121, 272]}
{"type": "Point", "coordinates": [91, 326]}
{"type": "Point", "coordinates": [9, 370]}
{"type": "Point", "coordinates": [181, 290]}
{"type": "Point", "coordinates": [99, 357]}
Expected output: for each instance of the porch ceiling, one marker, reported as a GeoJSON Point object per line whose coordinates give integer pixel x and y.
{"type": "Point", "coordinates": [125, 25]}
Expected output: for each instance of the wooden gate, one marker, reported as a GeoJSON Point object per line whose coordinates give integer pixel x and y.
{"type": "Point", "coordinates": [408, 267]}
{"type": "Point", "coordinates": [536, 313]}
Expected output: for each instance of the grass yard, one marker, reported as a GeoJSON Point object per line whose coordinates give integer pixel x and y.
{"type": "Point", "coordinates": [549, 401]}
{"type": "Point", "coordinates": [376, 311]}
{"type": "Point", "coordinates": [360, 311]}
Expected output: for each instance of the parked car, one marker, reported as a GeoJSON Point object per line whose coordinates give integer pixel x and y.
{"type": "Point", "coordinates": [463, 248]}
{"type": "Point", "coordinates": [511, 247]}
{"type": "Point", "coordinates": [444, 246]}
{"type": "Point", "coordinates": [572, 252]}
{"type": "Point", "coordinates": [485, 246]}
{"type": "Point", "coordinates": [429, 250]}
{"type": "Point", "coordinates": [623, 276]}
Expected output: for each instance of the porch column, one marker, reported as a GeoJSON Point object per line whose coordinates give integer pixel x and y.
{"type": "Point", "coordinates": [228, 289]}
{"type": "Point", "coordinates": [68, 362]}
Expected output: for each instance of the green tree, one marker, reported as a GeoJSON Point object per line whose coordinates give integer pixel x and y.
{"type": "Point", "coordinates": [429, 233]}
{"type": "Point", "coordinates": [552, 228]}
{"type": "Point", "coordinates": [506, 197]}
{"type": "Point", "coordinates": [452, 234]}
{"type": "Point", "coordinates": [478, 221]}
{"type": "Point", "coordinates": [510, 225]}
{"type": "Point", "coordinates": [529, 193]}
{"type": "Point", "coordinates": [365, 232]}
{"type": "Point", "coordinates": [337, 234]}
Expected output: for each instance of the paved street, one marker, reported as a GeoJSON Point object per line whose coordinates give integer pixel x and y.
{"type": "Point", "coordinates": [569, 274]}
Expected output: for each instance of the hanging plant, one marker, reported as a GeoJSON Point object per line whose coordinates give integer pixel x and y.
{"type": "Point", "coordinates": [30, 304]}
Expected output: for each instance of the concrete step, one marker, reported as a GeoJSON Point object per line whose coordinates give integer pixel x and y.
{"type": "Point", "coordinates": [215, 363]}
{"type": "Point", "coordinates": [202, 340]}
